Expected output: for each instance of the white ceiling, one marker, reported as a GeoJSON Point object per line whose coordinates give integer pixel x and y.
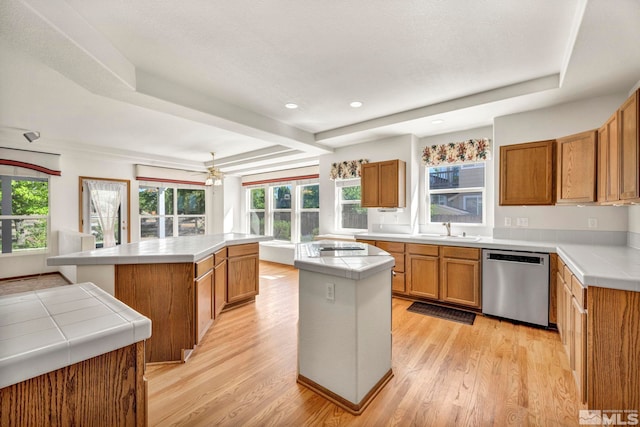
{"type": "Point", "coordinates": [171, 81]}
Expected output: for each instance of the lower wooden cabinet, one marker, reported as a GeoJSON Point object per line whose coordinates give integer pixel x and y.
{"type": "Point", "coordinates": [423, 276]}
{"type": "Point", "coordinates": [460, 276]}
{"type": "Point", "coordinates": [220, 281]}
{"type": "Point", "coordinates": [242, 276]}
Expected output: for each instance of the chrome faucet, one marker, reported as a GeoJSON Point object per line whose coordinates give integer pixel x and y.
{"type": "Point", "coordinates": [448, 226]}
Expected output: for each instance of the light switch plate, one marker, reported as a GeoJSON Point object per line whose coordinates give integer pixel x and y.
{"type": "Point", "coordinates": [522, 222]}
{"type": "Point", "coordinates": [507, 221]}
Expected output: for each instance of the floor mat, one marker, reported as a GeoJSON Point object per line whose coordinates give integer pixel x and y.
{"type": "Point", "coordinates": [443, 312]}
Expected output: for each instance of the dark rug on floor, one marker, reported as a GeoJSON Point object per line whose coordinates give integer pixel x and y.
{"type": "Point", "coordinates": [443, 312]}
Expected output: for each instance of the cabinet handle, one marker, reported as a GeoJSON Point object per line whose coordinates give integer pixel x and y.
{"type": "Point", "coordinates": [393, 273]}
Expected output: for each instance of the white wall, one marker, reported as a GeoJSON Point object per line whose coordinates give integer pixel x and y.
{"type": "Point", "coordinates": [64, 199]}
{"type": "Point", "coordinates": [550, 123]}
{"type": "Point", "coordinates": [476, 133]}
{"type": "Point", "coordinates": [402, 147]}
{"type": "Point", "coordinates": [634, 219]}
{"type": "Point", "coordinates": [233, 205]}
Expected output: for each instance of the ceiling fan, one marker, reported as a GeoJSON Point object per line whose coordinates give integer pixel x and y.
{"type": "Point", "coordinates": [215, 175]}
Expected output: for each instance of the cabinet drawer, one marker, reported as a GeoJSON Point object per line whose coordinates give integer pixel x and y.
{"type": "Point", "coordinates": [413, 248]}
{"type": "Point", "coordinates": [561, 266]}
{"type": "Point", "coordinates": [220, 256]}
{"type": "Point", "coordinates": [368, 242]}
{"type": "Point", "coordinates": [567, 275]}
{"type": "Point", "coordinates": [239, 250]}
{"type": "Point", "coordinates": [399, 258]}
{"type": "Point", "coordinates": [579, 292]}
{"type": "Point", "coordinates": [457, 252]}
{"type": "Point", "coordinates": [204, 265]}
{"type": "Point", "coordinates": [391, 246]}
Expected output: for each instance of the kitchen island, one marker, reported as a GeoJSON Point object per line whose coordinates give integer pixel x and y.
{"type": "Point", "coordinates": [71, 355]}
{"type": "Point", "coordinates": [344, 329]}
{"type": "Point", "coordinates": [181, 283]}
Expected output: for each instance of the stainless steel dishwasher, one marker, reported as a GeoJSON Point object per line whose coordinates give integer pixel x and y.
{"type": "Point", "coordinates": [515, 285]}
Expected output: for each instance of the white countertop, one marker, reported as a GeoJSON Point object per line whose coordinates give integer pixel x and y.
{"type": "Point", "coordinates": [156, 251]}
{"type": "Point", "coordinates": [356, 265]}
{"type": "Point", "coordinates": [41, 331]}
{"type": "Point", "coordinates": [614, 267]}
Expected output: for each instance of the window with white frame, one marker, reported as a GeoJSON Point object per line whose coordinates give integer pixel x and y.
{"type": "Point", "coordinates": [351, 216]}
{"type": "Point", "coordinates": [167, 211]}
{"type": "Point", "coordinates": [288, 211]}
{"type": "Point", "coordinates": [456, 193]}
{"type": "Point", "coordinates": [24, 213]}
{"type": "Point", "coordinates": [309, 211]}
{"type": "Point", "coordinates": [256, 210]}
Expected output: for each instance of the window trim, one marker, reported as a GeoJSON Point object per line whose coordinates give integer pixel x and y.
{"type": "Point", "coordinates": [11, 217]}
{"type": "Point", "coordinates": [482, 190]}
{"type": "Point", "coordinates": [339, 185]}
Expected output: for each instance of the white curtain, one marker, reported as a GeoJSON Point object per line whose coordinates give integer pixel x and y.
{"type": "Point", "coordinates": [106, 197]}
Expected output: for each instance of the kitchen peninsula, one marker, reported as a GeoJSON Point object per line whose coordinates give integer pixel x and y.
{"type": "Point", "coordinates": [182, 283]}
{"type": "Point", "coordinates": [344, 327]}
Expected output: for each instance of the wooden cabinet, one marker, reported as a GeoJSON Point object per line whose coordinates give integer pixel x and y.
{"type": "Point", "coordinates": [242, 275]}
{"type": "Point", "coordinates": [383, 184]}
{"type": "Point", "coordinates": [572, 325]}
{"type": "Point", "coordinates": [608, 161]}
{"type": "Point", "coordinates": [219, 281]}
{"type": "Point", "coordinates": [396, 250]}
{"type": "Point", "coordinates": [576, 168]}
{"type": "Point", "coordinates": [460, 276]}
{"type": "Point", "coordinates": [204, 296]}
{"type": "Point", "coordinates": [527, 174]}
{"type": "Point", "coordinates": [423, 270]}
{"type": "Point", "coordinates": [629, 144]}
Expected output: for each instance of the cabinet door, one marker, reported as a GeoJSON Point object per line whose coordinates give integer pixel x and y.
{"type": "Point", "coordinates": [568, 324]}
{"type": "Point", "coordinates": [460, 281]}
{"type": "Point", "coordinates": [526, 173]}
{"type": "Point", "coordinates": [576, 172]}
{"type": "Point", "coordinates": [422, 276]}
{"type": "Point", "coordinates": [560, 295]}
{"type": "Point", "coordinates": [370, 176]}
{"type": "Point", "coordinates": [579, 349]}
{"type": "Point", "coordinates": [608, 161]}
{"type": "Point", "coordinates": [392, 184]}
{"type": "Point", "coordinates": [629, 150]}
{"type": "Point", "coordinates": [220, 287]}
{"type": "Point", "coordinates": [242, 278]}
{"type": "Point", "coordinates": [204, 304]}
{"type": "Point", "coordinates": [397, 283]}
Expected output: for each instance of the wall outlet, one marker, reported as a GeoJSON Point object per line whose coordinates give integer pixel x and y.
{"type": "Point", "coordinates": [593, 222]}
{"type": "Point", "coordinates": [507, 221]}
{"type": "Point", "coordinates": [522, 222]}
{"type": "Point", "coordinates": [331, 291]}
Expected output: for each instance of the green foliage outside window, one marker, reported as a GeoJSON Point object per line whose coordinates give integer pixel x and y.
{"type": "Point", "coordinates": [28, 197]}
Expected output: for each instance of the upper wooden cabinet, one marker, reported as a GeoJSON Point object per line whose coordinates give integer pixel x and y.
{"type": "Point", "coordinates": [383, 184]}
{"type": "Point", "coordinates": [629, 143]}
{"type": "Point", "coordinates": [608, 161]}
{"type": "Point", "coordinates": [527, 173]}
{"type": "Point", "coordinates": [576, 171]}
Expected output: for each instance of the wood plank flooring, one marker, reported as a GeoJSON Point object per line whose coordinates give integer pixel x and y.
{"type": "Point", "coordinates": [244, 373]}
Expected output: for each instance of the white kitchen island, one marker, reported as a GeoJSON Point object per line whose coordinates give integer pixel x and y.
{"type": "Point", "coordinates": [344, 330]}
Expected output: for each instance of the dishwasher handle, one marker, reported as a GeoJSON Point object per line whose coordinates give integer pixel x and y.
{"type": "Point", "coordinates": [519, 258]}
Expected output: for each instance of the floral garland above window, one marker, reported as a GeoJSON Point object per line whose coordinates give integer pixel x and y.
{"type": "Point", "coordinates": [472, 150]}
{"type": "Point", "coordinates": [346, 170]}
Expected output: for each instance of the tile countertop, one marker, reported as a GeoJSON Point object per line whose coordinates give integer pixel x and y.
{"type": "Point", "coordinates": [156, 251]}
{"type": "Point", "coordinates": [614, 267]}
{"type": "Point", "coordinates": [356, 265]}
{"type": "Point", "coordinates": [41, 331]}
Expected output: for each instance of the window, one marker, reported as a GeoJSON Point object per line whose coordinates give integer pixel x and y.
{"type": "Point", "coordinates": [281, 212]}
{"type": "Point", "coordinates": [351, 215]}
{"type": "Point", "coordinates": [24, 213]}
{"type": "Point", "coordinates": [171, 211]}
{"type": "Point", "coordinates": [309, 211]}
{"type": "Point", "coordinates": [288, 211]}
{"type": "Point", "coordinates": [256, 211]}
{"type": "Point", "coordinates": [456, 193]}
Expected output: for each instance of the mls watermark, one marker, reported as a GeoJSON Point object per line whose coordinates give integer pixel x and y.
{"type": "Point", "coordinates": [623, 417]}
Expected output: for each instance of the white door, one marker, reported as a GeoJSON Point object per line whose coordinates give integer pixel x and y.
{"type": "Point", "coordinates": [90, 215]}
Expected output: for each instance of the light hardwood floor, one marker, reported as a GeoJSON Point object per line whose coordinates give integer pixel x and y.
{"type": "Point", "coordinates": [446, 374]}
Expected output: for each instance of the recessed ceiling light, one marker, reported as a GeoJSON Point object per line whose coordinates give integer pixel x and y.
{"type": "Point", "coordinates": [356, 104]}
{"type": "Point", "coordinates": [291, 106]}
{"type": "Point", "coordinates": [437, 121]}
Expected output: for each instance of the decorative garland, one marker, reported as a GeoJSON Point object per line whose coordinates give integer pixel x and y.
{"type": "Point", "coordinates": [346, 170]}
{"type": "Point", "coordinates": [472, 150]}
